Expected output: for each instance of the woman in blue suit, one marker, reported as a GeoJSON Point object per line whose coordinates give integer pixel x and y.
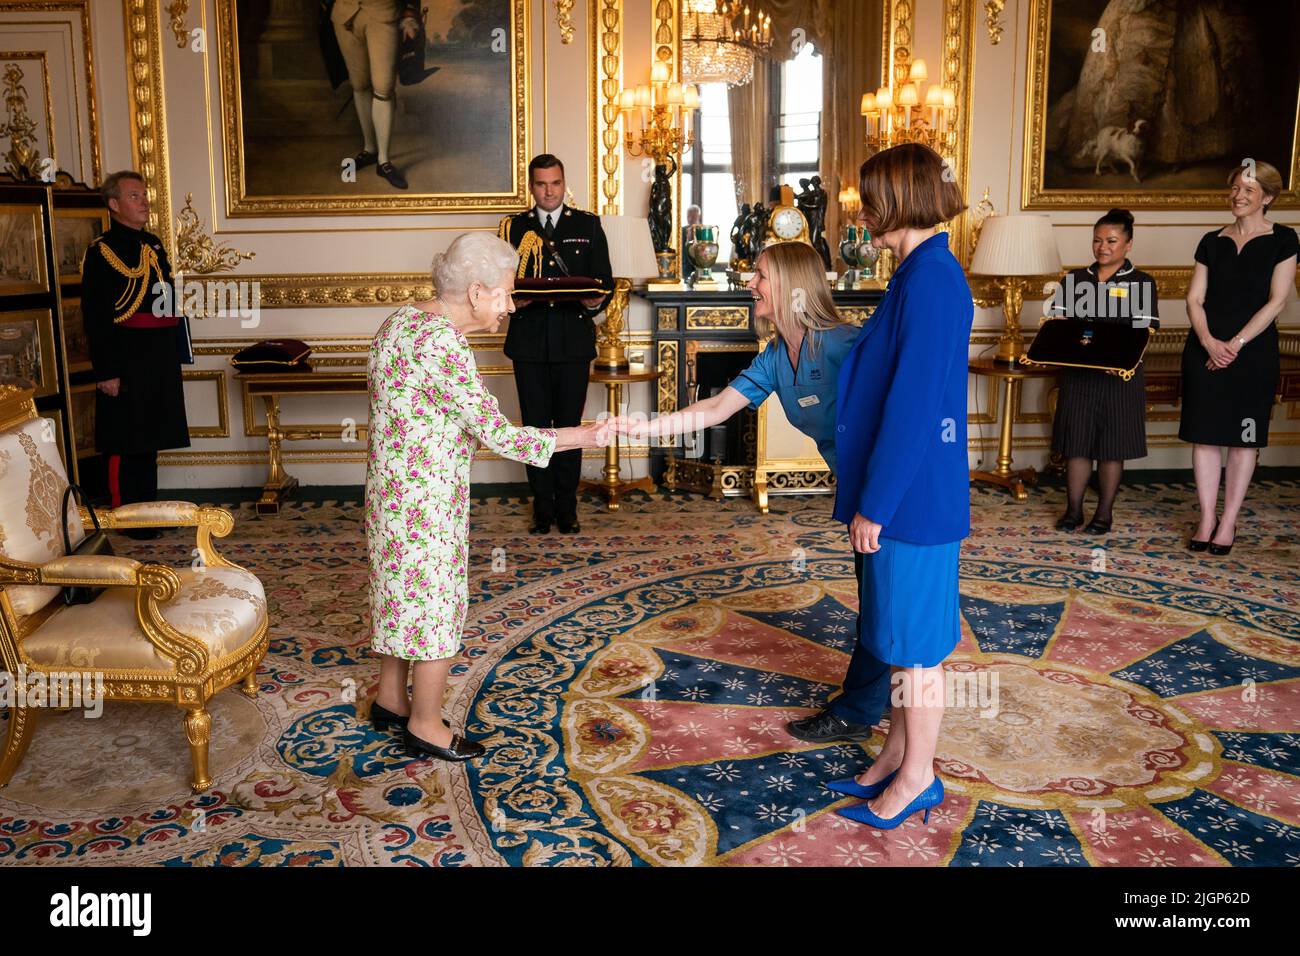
{"type": "Point", "coordinates": [904, 488]}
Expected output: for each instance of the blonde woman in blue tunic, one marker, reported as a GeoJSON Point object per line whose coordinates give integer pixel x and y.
{"type": "Point", "coordinates": [429, 408]}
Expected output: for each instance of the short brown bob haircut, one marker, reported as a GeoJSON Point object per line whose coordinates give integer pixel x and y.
{"type": "Point", "coordinates": [1265, 174]}
{"type": "Point", "coordinates": [907, 187]}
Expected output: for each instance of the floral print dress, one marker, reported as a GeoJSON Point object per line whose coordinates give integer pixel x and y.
{"type": "Point", "coordinates": [428, 407]}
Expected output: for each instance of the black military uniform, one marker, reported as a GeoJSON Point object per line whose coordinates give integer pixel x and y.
{"type": "Point", "coordinates": [120, 296]}
{"type": "Point", "coordinates": [552, 344]}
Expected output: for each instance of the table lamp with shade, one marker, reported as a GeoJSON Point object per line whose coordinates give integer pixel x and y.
{"type": "Point", "coordinates": [1015, 248]}
{"type": "Point", "coordinates": [631, 258]}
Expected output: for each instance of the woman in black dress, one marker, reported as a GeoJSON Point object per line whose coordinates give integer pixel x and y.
{"type": "Point", "coordinates": [1099, 416]}
{"type": "Point", "coordinates": [1243, 279]}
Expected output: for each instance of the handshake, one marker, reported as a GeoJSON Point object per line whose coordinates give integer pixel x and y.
{"type": "Point", "coordinates": [601, 433]}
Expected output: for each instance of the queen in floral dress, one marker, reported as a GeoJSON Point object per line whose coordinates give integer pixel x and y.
{"type": "Point", "coordinates": [429, 408]}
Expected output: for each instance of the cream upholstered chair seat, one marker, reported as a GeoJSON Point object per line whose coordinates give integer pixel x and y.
{"type": "Point", "coordinates": [155, 633]}
{"type": "Point", "coordinates": [222, 607]}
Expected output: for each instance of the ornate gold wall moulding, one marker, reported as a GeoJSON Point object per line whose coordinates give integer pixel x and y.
{"type": "Point", "coordinates": [564, 19]}
{"type": "Point", "coordinates": [899, 54]}
{"type": "Point", "coordinates": [218, 378]}
{"type": "Point", "coordinates": [958, 70]}
{"type": "Point", "coordinates": [148, 111]}
{"type": "Point", "coordinates": [196, 251]}
{"type": "Point", "coordinates": [359, 344]}
{"type": "Point", "coordinates": [328, 456]}
{"type": "Point", "coordinates": [993, 19]}
{"type": "Point", "coordinates": [610, 146]}
{"type": "Point", "coordinates": [177, 10]}
{"type": "Point", "coordinates": [82, 9]}
{"type": "Point", "coordinates": [329, 291]}
{"type": "Point", "coordinates": [22, 159]}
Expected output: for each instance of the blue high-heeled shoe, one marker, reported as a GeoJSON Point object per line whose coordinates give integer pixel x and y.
{"type": "Point", "coordinates": [928, 798]}
{"type": "Point", "coordinates": [852, 788]}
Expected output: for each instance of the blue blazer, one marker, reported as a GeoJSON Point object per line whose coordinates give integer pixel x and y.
{"type": "Point", "coordinates": [900, 424]}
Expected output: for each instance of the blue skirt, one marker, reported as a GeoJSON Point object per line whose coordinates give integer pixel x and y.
{"type": "Point", "coordinates": [910, 615]}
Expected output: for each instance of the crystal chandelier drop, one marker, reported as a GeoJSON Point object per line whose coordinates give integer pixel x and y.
{"type": "Point", "coordinates": [721, 41]}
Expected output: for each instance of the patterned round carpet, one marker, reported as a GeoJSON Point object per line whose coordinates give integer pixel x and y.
{"type": "Point", "coordinates": [1114, 701]}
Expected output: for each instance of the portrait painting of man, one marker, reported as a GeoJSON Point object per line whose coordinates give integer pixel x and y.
{"type": "Point", "coordinates": [373, 105]}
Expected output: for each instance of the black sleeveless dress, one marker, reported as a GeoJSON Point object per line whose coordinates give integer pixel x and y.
{"type": "Point", "coordinates": [1231, 406]}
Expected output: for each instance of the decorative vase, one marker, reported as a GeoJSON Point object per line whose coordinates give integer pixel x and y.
{"type": "Point", "coordinates": [666, 260]}
{"type": "Point", "coordinates": [703, 251]}
{"type": "Point", "coordinates": [868, 255]}
{"type": "Point", "coordinates": [849, 247]}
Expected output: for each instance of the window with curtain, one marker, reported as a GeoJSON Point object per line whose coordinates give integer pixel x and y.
{"type": "Point", "coordinates": [707, 180]}
{"type": "Point", "coordinates": [791, 149]}
{"type": "Point", "coordinates": [797, 118]}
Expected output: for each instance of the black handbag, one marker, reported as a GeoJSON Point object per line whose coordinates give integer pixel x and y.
{"type": "Point", "coordinates": [95, 543]}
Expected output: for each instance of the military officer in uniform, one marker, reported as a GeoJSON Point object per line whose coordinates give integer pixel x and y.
{"type": "Point", "coordinates": [135, 345]}
{"type": "Point", "coordinates": [552, 343]}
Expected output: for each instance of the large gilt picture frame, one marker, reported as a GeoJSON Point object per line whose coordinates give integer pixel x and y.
{"type": "Point", "coordinates": [299, 143]}
{"type": "Point", "coordinates": [74, 231]}
{"type": "Point", "coordinates": [1153, 108]}
{"type": "Point", "coordinates": [22, 249]}
{"type": "Point", "coordinates": [27, 350]}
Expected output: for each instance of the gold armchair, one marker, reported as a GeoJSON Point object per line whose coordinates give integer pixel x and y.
{"type": "Point", "coordinates": [155, 633]}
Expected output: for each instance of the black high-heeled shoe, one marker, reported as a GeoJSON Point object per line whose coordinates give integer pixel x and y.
{"type": "Point", "coordinates": [1198, 546]}
{"type": "Point", "coordinates": [1219, 550]}
{"type": "Point", "coordinates": [385, 719]}
{"type": "Point", "coordinates": [459, 751]}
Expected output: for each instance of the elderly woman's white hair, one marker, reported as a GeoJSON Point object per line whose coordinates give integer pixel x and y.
{"type": "Point", "coordinates": [472, 257]}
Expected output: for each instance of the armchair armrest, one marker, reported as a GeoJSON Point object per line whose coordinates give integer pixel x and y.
{"type": "Point", "coordinates": [154, 584]}
{"type": "Point", "coordinates": [208, 520]}
{"type": "Point", "coordinates": [99, 570]}
{"type": "Point", "coordinates": [147, 514]}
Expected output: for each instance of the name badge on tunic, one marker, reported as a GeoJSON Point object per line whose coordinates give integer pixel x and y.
{"type": "Point", "coordinates": [1119, 292]}
{"type": "Point", "coordinates": [809, 400]}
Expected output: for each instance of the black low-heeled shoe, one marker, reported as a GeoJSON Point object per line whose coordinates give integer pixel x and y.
{"type": "Point", "coordinates": [459, 751]}
{"type": "Point", "coordinates": [1068, 522]}
{"type": "Point", "coordinates": [1198, 546]}
{"type": "Point", "coordinates": [1097, 526]}
{"type": "Point", "coordinates": [385, 719]}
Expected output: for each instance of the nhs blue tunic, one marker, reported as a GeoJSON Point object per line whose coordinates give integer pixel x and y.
{"type": "Point", "coordinates": [807, 394]}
